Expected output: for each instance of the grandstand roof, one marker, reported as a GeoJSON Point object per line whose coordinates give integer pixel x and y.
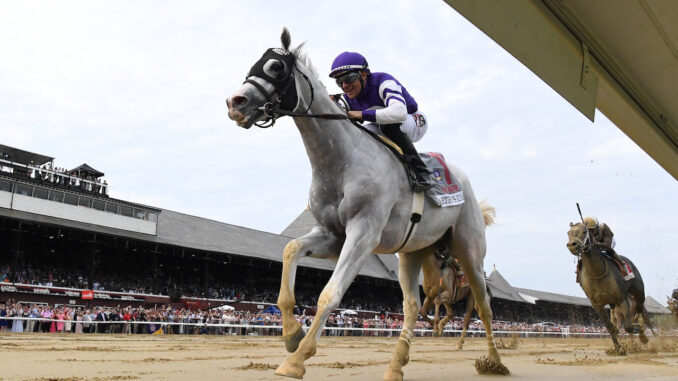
{"type": "Point", "coordinates": [654, 307]}
{"type": "Point", "coordinates": [21, 156]}
{"type": "Point", "coordinates": [501, 288]}
{"type": "Point", "coordinates": [556, 298]}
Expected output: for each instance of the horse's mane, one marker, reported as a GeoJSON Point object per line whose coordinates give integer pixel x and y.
{"type": "Point", "coordinates": [303, 57]}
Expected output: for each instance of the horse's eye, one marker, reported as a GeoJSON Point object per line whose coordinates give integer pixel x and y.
{"type": "Point", "coordinates": [275, 69]}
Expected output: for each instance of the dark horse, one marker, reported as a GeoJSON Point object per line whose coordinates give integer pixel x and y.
{"type": "Point", "coordinates": [602, 281]}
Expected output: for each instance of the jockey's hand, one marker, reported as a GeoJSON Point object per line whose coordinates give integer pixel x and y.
{"type": "Point", "coordinates": [335, 97]}
{"type": "Point", "coordinates": [355, 115]}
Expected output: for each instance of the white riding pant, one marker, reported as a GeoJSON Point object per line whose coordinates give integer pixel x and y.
{"type": "Point", "coordinates": [414, 126]}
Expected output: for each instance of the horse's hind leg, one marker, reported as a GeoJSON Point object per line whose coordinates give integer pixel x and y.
{"type": "Point", "coordinates": [469, 248]}
{"type": "Point", "coordinates": [318, 244]}
{"type": "Point", "coordinates": [408, 275]}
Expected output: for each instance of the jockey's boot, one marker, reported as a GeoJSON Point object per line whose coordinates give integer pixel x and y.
{"type": "Point", "coordinates": [622, 265]}
{"type": "Point", "coordinates": [422, 180]}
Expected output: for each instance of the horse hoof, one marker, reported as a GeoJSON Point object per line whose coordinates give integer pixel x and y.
{"type": "Point", "coordinates": [644, 339]}
{"type": "Point", "coordinates": [393, 375]}
{"type": "Point", "coordinates": [289, 370]}
{"type": "Point", "coordinates": [460, 347]}
{"type": "Point", "coordinates": [436, 334]}
{"type": "Point", "coordinates": [292, 341]}
{"type": "Point", "coordinates": [485, 365]}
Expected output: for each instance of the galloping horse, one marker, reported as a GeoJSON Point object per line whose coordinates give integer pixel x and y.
{"type": "Point", "coordinates": [440, 288]}
{"type": "Point", "coordinates": [603, 284]}
{"type": "Point", "coordinates": [361, 199]}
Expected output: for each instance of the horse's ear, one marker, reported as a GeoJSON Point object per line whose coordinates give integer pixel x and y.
{"type": "Point", "coordinates": [571, 224]}
{"type": "Point", "coordinates": [285, 39]}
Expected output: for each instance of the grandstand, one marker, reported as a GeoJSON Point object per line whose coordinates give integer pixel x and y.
{"type": "Point", "coordinates": [69, 237]}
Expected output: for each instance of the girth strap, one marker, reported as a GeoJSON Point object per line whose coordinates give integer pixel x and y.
{"type": "Point", "coordinates": [417, 211]}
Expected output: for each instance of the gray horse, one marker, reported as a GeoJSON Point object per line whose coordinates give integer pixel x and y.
{"type": "Point", "coordinates": [603, 284]}
{"type": "Point", "coordinates": [361, 199]}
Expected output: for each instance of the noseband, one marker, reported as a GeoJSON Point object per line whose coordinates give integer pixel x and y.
{"type": "Point", "coordinates": [284, 103]}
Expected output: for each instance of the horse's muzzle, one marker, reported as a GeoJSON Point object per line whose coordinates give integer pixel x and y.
{"type": "Point", "coordinates": [574, 247]}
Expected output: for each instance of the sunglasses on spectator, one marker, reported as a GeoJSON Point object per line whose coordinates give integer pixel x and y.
{"type": "Point", "coordinates": [348, 78]}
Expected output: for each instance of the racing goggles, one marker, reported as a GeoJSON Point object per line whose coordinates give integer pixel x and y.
{"type": "Point", "coordinates": [348, 78]}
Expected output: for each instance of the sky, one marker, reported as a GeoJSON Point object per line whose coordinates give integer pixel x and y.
{"type": "Point", "coordinates": [137, 90]}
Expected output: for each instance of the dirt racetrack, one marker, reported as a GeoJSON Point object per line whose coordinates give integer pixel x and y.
{"type": "Point", "coordinates": [185, 357]}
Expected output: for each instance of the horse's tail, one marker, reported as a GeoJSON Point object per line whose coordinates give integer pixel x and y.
{"type": "Point", "coordinates": [488, 213]}
{"type": "Point", "coordinates": [646, 319]}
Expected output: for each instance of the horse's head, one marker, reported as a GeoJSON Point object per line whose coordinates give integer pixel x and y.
{"type": "Point", "coordinates": [578, 238]}
{"type": "Point", "coordinates": [269, 85]}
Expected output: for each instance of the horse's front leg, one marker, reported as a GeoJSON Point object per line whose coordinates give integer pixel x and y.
{"type": "Point", "coordinates": [408, 274]}
{"type": "Point", "coordinates": [318, 244]}
{"type": "Point", "coordinates": [611, 329]}
{"type": "Point", "coordinates": [449, 314]}
{"type": "Point", "coordinates": [361, 239]}
{"type": "Point", "coordinates": [470, 305]}
{"type": "Point", "coordinates": [425, 307]}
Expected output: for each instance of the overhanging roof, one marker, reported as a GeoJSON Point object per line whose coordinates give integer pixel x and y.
{"type": "Point", "coordinates": [21, 156]}
{"type": "Point", "coordinates": [620, 57]}
{"type": "Point", "coordinates": [84, 168]}
{"type": "Point", "coordinates": [501, 288]}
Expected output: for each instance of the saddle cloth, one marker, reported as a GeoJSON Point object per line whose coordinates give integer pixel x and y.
{"type": "Point", "coordinates": [447, 189]}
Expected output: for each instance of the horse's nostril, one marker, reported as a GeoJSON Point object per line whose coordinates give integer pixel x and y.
{"type": "Point", "coordinates": [238, 101]}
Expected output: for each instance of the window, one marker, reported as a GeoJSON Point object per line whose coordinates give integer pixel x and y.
{"type": "Point", "coordinates": [153, 217]}
{"type": "Point", "coordinates": [23, 189]}
{"type": "Point", "coordinates": [84, 201]}
{"type": "Point", "coordinates": [70, 199]}
{"type": "Point", "coordinates": [56, 196]}
{"type": "Point", "coordinates": [140, 214]}
{"type": "Point", "coordinates": [126, 211]}
{"type": "Point", "coordinates": [40, 193]}
{"type": "Point", "coordinates": [98, 204]}
{"type": "Point", "coordinates": [5, 186]}
{"type": "Point", "coordinates": [111, 208]}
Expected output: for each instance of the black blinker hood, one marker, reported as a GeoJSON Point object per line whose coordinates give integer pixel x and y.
{"type": "Point", "coordinates": [284, 87]}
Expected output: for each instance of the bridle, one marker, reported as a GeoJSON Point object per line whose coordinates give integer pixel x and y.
{"type": "Point", "coordinates": [583, 250]}
{"type": "Point", "coordinates": [282, 104]}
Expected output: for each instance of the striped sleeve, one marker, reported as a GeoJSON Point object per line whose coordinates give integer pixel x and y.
{"type": "Point", "coordinates": [395, 110]}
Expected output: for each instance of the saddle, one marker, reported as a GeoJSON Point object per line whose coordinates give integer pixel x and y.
{"type": "Point", "coordinates": [622, 265]}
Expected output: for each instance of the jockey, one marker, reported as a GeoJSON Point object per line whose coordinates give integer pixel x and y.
{"type": "Point", "coordinates": [604, 238]}
{"type": "Point", "coordinates": [380, 100]}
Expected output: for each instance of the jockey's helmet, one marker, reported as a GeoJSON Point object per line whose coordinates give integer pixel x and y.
{"type": "Point", "coordinates": [347, 62]}
{"type": "Point", "coordinates": [591, 222]}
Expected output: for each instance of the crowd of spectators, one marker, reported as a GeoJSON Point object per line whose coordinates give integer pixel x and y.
{"type": "Point", "coordinates": [178, 320]}
{"type": "Point", "coordinates": [156, 282]}
{"type": "Point", "coordinates": [58, 176]}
